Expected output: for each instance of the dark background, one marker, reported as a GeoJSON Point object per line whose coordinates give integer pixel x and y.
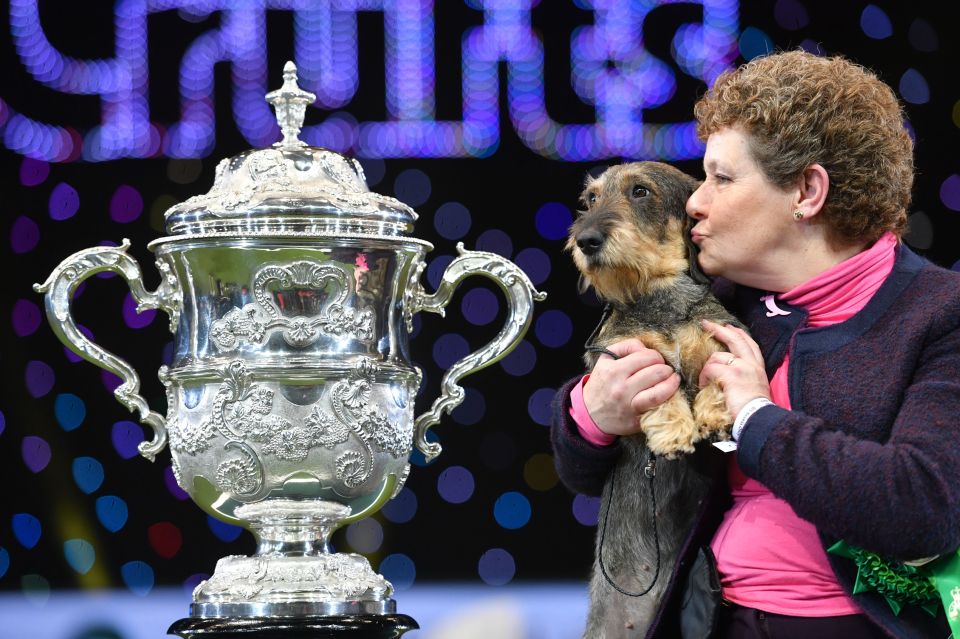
{"type": "Point", "coordinates": [495, 437]}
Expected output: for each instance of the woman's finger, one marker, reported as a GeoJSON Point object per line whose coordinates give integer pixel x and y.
{"type": "Point", "coordinates": [735, 339]}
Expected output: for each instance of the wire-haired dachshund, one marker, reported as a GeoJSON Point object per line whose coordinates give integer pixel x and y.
{"type": "Point", "coordinates": [631, 243]}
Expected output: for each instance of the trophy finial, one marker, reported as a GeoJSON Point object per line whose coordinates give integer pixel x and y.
{"type": "Point", "coordinates": [290, 104]}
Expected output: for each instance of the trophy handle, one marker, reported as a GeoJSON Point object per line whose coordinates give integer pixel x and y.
{"type": "Point", "coordinates": [520, 294]}
{"type": "Point", "coordinates": [59, 289]}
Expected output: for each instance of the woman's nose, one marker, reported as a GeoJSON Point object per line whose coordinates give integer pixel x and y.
{"type": "Point", "coordinates": [695, 203]}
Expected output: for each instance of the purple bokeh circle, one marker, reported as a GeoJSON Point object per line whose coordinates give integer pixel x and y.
{"type": "Point", "coordinates": [33, 172]}
{"type": "Point", "coordinates": [24, 235]}
{"type": "Point", "coordinates": [26, 318]}
{"type": "Point", "coordinates": [126, 205]}
{"type": "Point", "coordinates": [64, 202]}
{"type": "Point", "coordinates": [39, 378]}
{"type": "Point", "coordinates": [36, 453]}
{"type": "Point", "coordinates": [950, 192]}
{"type": "Point", "coordinates": [455, 484]}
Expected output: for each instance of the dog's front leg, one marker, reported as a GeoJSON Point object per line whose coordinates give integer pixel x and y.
{"type": "Point", "coordinates": [670, 428]}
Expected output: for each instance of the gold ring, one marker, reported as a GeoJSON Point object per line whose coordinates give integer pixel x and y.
{"type": "Point", "coordinates": [731, 360]}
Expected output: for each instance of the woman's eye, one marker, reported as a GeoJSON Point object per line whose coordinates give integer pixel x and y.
{"type": "Point", "coordinates": [721, 178]}
{"type": "Point", "coordinates": [640, 191]}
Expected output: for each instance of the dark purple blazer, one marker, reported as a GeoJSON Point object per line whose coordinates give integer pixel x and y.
{"type": "Point", "coordinates": [870, 452]}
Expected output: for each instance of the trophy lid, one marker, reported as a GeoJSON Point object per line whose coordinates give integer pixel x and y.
{"type": "Point", "coordinates": [290, 188]}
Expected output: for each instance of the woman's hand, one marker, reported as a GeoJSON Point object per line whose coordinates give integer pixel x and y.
{"type": "Point", "coordinates": [620, 390]}
{"type": "Point", "coordinates": [741, 373]}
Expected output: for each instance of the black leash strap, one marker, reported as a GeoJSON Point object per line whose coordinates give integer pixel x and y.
{"type": "Point", "coordinates": [650, 470]}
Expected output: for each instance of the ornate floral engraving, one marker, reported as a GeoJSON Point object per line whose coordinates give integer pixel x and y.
{"type": "Point", "coordinates": [337, 577]}
{"type": "Point", "coordinates": [189, 437]}
{"type": "Point", "coordinates": [255, 322]}
{"type": "Point", "coordinates": [242, 476]}
{"type": "Point", "coordinates": [243, 415]}
{"type": "Point", "coordinates": [328, 431]}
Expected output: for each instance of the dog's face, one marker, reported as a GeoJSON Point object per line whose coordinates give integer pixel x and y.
{"type": "Point", "coordinates": [631, 235]}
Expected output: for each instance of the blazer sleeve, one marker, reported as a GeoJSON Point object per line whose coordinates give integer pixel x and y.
{"type": "Point", "coordinates": [583, 467]}
{"type": "Point", "coordinates": [899, 497]}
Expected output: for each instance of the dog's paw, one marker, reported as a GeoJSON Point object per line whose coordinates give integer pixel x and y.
{"type": "Point", "coordinates": [670, 428]}
{"type": "Point", "coordinates": [710, 413]}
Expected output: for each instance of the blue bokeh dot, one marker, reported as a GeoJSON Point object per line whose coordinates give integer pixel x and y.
{"type": "Point", "coordinates": [222, 530]}
{"type": "Point", "coordinates": [496, 567]}
{"type": "Point", "coordinates": [138, 576]}
{"type": "Point", "coordinates": [914, 88]}
{"type": "Point", "coordinates": [520, 360]}
{"type": "Point", "coordinates": [586, 510]}
{"type": "Point", "coordinates": [401, 508]}
{"type": "Point", "coordinates": [450, 348]}
{"type": "Point", "coordinates": [26, 529]}
{"type": "Point", "coordinates": [412, 187]}
{"type": "Point", "coordinates": [79, 555]}
{"type": "Point", "coordinates": [88, 474]}
{"type": "Point", "coordinates": [480, 306]}
{"type": "Point", "coordinates": [539, 406]}
{"type": "Point", "coordinates": [455, 484]}
{"type": "Point", "coordinates": [875, 22]}
{"type": "Point", "coordinates": [553, 221]}
{"type": "Point", "coordinates": [3, 422]}
{"type": "Point", "coordinates": [64, 202]}
{"type": "Point", "coordinates": [126, 437]}
{"type": "Point", "coordinates": [399, 570]}
{"type": "Point", "coordinates": [452, 220]}
{"type": "Point", "coordinates": [40, 378]}
{"type": "Point", "coordinates": [512, 510]}
{"type": "Point", "coordinates": [495, 241]}
{"type": "Point", "coordinates": [472, 410]}
{"type": "Point", "coordinates": [553, 328]}
{"type": "Point", "coordinates": [69, 410]}
{"type": "Point", "coordinates": [535, 263]}
{"type": "Point", "coordinates": [112, 512]}
{"type": "Point", "coordinates": [754, 43]}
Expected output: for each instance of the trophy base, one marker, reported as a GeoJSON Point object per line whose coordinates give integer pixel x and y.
{"type": "Point", "coordinates": [313, 627]}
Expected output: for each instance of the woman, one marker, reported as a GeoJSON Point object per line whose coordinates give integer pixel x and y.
{"type": "Point", "coordinates": [846, 392]}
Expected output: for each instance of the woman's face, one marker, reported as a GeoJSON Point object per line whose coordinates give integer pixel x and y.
{"type": "Point", "coordinates": [744, 223]}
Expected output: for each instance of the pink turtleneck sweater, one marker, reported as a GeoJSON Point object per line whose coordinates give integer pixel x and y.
{"type": "Point", "coordinates": [767, 556]}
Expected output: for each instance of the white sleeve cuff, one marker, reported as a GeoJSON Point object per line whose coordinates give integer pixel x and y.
{"type": "Point", "coordinates": [745, 413]}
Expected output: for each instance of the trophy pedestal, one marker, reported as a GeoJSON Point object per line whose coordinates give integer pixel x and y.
{"type": "Point", "coordinates": [312, 627]}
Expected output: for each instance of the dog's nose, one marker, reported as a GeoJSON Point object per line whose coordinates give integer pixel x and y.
{"type": "Point", "coordinates": [590, 241]}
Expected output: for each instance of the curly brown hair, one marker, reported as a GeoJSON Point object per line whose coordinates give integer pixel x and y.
{"type": "Point", "coordinates": [799, 109]}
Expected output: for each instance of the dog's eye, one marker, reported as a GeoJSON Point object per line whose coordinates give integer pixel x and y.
{"type": "Point", "coordinates": [591, 198]}
{"type": "Point", "coordinates": [640, 191]}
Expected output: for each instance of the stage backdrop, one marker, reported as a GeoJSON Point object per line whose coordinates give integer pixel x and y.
{"type": "Point", "coordinates": [484, 116]}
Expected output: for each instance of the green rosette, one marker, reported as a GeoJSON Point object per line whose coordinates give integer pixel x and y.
{"type": "Point", "coordinates": [928, 586]}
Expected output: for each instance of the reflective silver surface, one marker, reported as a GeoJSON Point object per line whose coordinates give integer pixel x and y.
{"type": "Point", "coordinates": [291, 290]}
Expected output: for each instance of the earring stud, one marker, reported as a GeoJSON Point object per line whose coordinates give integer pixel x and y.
{"type": "Point", "coordinates": [798, 214]}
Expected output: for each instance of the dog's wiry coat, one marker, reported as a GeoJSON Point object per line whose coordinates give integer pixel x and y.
{"type": "Point", "coordinates": [631, 244]}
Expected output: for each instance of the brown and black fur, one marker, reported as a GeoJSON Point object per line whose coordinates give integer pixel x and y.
{"type": "Point", "coordinates": [631, 243]}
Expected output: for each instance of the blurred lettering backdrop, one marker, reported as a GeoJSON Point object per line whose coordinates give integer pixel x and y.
{"type": "Point", "coordinates": [483, 115]}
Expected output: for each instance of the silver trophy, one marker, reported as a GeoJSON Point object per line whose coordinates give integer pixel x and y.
{"type": "Point", "coordinates": [291, 290]}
